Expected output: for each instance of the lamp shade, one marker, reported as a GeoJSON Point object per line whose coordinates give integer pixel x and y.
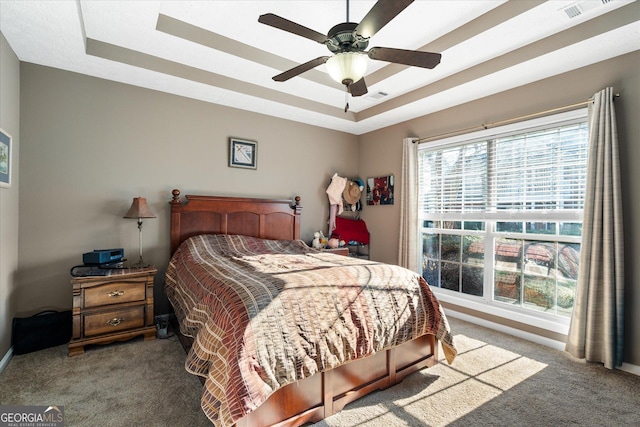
{"type": "Point", "coordinates": [347, 67]}
{"type": "Point", "coordinates": [139, 209]}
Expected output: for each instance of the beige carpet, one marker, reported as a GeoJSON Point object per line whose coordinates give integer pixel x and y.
{"type": "Point", "coordinates": [496, 380]}
{"type": "Point", "coordinates": [133, 383]}
{"type": "Point", "coordinates": [500, 380]}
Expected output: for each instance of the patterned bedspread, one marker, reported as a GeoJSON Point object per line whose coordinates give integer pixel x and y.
{"type": "Point", "coordinates": [266, 313]}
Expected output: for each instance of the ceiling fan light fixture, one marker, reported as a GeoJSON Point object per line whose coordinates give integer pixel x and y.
{"type": "Point", "coordinates": [347, 67]}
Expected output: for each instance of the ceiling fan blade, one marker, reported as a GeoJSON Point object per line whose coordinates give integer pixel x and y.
{"type": "Point", "coordinates": [415, 58]}
{"type": "Point", "coordinates": [291, 27]}
{"type": "Point", "coordinates": [380, 14]}
{"type": "Point", "coordinates": [300, 69]}
{"type": "Point", "coordinates": [358, 88]}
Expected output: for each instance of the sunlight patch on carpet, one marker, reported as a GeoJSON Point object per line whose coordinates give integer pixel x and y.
{"type": "Point", "coordinates": [480, 373]}
{"type": "Point", "coordinates": [443, 394]}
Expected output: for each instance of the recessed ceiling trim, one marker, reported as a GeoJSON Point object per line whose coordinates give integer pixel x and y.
{"type": "Point", "coordinates": [472, 28]}
{"type": "Point", "coordinates": [195, 34]}
{"type": "Point", "coordinates": [620, 17]}
{"type": "Point", "coordinates": [153, 63]}
{"type": "Point", "coordinates": [550, 65]}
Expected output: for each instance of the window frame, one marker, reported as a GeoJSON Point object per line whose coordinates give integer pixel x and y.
{"type": "Point", "coordinates": [486, 304]}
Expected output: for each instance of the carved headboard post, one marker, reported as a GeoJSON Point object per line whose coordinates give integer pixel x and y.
{"type": "Point", "coordinates": [176, 205]}
{"type": "Point", "coordinates": [176, 196]}
{"type": "Point", "coordinates": [297, 211]}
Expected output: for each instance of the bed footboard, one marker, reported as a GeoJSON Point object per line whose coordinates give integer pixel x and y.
{"type": "Point", "coordinates": [326, 393]}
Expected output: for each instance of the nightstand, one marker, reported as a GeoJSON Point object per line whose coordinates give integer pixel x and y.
{"type": "Point", "coordinates": [114, 307]}
{"type": "Point", "coordinates": [338, 251]}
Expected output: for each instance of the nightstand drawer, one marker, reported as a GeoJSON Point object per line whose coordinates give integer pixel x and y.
{"type": "Point", "coordinates": [113, 321]}
{"type": "Point", "coordinates": [114, 293]}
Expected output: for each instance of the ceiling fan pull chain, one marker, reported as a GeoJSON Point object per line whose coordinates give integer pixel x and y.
{"type": "Point", "coordinates": [346, 99]}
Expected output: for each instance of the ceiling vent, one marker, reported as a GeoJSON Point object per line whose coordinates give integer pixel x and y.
{"type": "Point", "coordinates": [377, 95]}
{"type": "Point", "coordinates": [578, 8]}
{"type": "Point", "coordinates": [573, 11]}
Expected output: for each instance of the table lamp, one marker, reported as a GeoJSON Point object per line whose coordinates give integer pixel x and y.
{"type": "Point", "coordinates": [139, 210]}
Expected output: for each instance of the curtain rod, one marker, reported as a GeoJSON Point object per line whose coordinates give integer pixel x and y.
{"type": "Point", "coordinates": [485, 126]}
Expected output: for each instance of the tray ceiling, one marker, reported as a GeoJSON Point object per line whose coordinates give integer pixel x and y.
{"type": "Point", "coordinates": [216, 51]}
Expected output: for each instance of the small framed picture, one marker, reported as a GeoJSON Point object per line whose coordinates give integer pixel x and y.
{"type": "Point", "coordinates": [243, 153]}
{"type": "Point", "coordinates": [5, 159]}
{"type": "Point", "coordinates": [380, 190]}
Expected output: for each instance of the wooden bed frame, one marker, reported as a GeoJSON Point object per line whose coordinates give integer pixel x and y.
{"type": "Point", "coordinates": [325, 393]}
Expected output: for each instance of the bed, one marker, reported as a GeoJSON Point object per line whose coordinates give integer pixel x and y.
{"type": "Point", "coordinates": [272, 337]}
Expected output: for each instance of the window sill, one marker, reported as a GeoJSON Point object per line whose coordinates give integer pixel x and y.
{"type": "Point", "coordinates": [557, 328]}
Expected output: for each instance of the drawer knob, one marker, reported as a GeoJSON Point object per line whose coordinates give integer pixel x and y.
{"type": "Point", "coordinates": [115, 293]}
{"type": "Point", "coordinates": [115, 321]}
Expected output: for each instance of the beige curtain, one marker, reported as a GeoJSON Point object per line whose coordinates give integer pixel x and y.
{"type": "Point", "coordinates": [408, 251]}
{"type": "Point", "coordinates": [596, 330]}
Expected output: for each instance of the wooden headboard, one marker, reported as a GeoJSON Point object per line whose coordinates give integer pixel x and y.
{"type": "Point", "coordinates": [264, 218]}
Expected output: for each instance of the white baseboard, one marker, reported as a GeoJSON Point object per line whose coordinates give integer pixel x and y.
{"type": "Point", "coordinates": [632, 369]}
{"type": "Point", "coordinates": [5, 360]}
{"type": "Point", "coordinates": [558, 345]}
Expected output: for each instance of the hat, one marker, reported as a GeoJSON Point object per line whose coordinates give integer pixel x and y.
{"type": "Point", "coordinates": [351, 193]}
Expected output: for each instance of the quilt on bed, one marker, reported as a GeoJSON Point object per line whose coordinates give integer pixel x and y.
{"type": "Point", "coordinates": [266, 313]}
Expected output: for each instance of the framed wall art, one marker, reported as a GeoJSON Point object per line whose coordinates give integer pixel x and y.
{"type": "Point", "coordinates": [380, 190]}
{"type": "Point", "coordinates": [243, 153]}
{"type": "Point", "coordinates": [5, 159]}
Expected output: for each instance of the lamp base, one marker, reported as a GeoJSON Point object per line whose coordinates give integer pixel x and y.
{"type": "Point", "coordinates": [140, 264]}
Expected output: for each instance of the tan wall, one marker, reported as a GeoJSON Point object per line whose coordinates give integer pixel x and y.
{"type": "Point", "coordinates": [91, 145]}
{"type": "Point", "coordinates": [380, 153]}
{"type": "Point", "coordinates": [9, 122]}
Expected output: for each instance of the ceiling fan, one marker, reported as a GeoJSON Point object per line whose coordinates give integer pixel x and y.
{"type": "Point", "coordinates": [348, 41]}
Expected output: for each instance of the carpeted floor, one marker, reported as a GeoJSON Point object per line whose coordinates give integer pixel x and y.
{"type": "Point", "coordinates": [132, 383]}
{"type": "Point", "coordinates": [496, 380]}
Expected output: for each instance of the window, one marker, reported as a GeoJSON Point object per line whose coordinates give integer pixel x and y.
{"type": "Point", "coordinates": [501, 214]}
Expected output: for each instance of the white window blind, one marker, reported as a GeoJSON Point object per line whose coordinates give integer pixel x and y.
{"type": "Point", "coordinates": [508, 176]}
